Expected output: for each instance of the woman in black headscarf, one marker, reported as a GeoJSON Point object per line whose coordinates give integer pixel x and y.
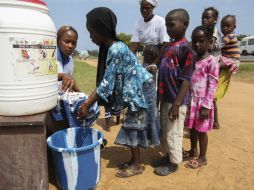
{"type": "Point", "coordinates": [123, 83]}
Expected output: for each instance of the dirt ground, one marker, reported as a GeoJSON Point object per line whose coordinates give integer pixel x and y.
{"type": "Point", "coordinates": [230, 153]}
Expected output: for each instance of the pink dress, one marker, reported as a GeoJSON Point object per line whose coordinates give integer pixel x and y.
{"type": "Point", "coordinates": [204, 82]}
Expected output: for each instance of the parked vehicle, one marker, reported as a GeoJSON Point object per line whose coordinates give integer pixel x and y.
{"type": "Point", "coordinates": [247, 45]}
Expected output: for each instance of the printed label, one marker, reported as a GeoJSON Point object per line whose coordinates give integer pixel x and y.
{"type": "Point", "coordinates": [33, 57]}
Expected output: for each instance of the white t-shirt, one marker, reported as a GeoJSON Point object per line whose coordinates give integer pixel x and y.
{"type": "Point", "coordinates": [153, 32]}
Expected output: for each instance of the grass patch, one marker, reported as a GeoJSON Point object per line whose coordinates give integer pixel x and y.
{"type": "Point", "coordinates": [85, 76]}
{"type": "Point", "coordinates": [246, 67]}
{"type": "Point", "coordinates": [246, 72]}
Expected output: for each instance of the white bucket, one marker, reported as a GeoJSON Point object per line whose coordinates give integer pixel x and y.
{"type": "Point", "coordinates": [28, 74]}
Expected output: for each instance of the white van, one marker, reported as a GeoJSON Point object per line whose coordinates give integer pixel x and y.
{"type": "Point", "coordinates": [247, 45]}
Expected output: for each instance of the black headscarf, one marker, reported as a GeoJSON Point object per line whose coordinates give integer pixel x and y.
{"type": "Point", "coordinates": [103, 21]}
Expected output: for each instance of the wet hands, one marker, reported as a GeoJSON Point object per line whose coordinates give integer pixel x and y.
{"type": "Point", "coordinates": [83, 111]}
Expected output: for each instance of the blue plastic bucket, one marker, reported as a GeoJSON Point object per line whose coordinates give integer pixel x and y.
{"type": "Point", "coordinates": [76, 155]}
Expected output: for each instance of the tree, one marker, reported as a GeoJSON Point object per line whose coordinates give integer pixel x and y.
{"type": "Point", "coordinates": [94, 53]}
{"type": "Point", "coordinates": [241, 36]}
{"type": "Point", "coordinates": [126, 38]}
{"type": "Point", "coordinates": [75, 53]}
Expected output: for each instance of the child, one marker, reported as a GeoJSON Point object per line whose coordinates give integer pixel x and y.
{"type": "Point", "coordinates": [67, 38]}
{"type": "Point", "coordinates": [229, 61]}
{"type": "Point", "coordinates": [203, 85]}
{"type": "Point", "coordinates": [177, 65]}
{"type": "Point", "coordinates": [209, 19]}
{"type": "Point", "coordinates": [130, 84]}
{"type": "Point", "coordinates": [150, 55]}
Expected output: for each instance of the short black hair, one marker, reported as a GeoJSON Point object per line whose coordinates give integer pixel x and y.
{"type": "Point", "coordinates": [229, 16]}
{"type": "Point", "coordinates": [184, 14]}
{"type": "Point", "coordinates": [208, 31]}
{"type": "Point", "coordinates": [215, 12]}
{"type": "Point", "coordinates": [150, 52]}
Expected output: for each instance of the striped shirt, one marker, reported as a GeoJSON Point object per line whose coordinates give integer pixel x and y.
{"type": "Point", "coordinates": [231, 48]}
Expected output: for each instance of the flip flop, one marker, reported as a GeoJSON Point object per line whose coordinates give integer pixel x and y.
{"type": "Point", "coordinates": [195, 164]}
{"type": "Point", "coordinates": [123, 166]}
{"type": "Point", "coordinates": [125, 173]}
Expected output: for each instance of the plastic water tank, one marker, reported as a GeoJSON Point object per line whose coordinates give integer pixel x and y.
{"type": "Point", "coordinates": [28, 69]}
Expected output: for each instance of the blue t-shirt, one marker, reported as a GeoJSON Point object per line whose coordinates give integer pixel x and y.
{"type": "Point", "coordinates": [123, 79]}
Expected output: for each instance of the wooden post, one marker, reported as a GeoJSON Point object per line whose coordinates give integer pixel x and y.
{"type": "Point", "coordinates": [23, 152]}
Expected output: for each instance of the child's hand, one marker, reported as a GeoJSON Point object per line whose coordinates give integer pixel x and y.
{"type": "Point", "coordinates": [204, 113]}
{"type": "Point", "coordinates": [83, 111]}
{"type": "Point", "coordinates": [173, 112]}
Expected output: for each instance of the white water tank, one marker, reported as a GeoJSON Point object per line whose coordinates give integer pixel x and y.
{"type": "Point", "coordinates": [28, 69]}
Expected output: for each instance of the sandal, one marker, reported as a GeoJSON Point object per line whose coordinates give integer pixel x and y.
{"type": "Point", "coordinates": [189, 154]}
{"type": "Point", "coordinates": [125, 173]}
{"type": "Point", "coordinates": [123, 166]}
{"type": "Point", "coordinates": [195, 164]}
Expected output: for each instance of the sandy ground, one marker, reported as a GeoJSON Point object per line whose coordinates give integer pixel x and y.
{"type": "Point", "coordinates": [230, 153]}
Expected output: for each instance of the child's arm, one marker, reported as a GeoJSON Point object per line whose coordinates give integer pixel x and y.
{"type": "Point", "coordinates": [174, 110]}
{"type": "Point", "coordinates": [185, 77]}
{"type": "Point", "coordinates": [212, 82]}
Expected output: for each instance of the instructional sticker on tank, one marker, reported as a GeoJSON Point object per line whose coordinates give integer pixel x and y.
{"type": "Point", "coordinates": [33, 57]}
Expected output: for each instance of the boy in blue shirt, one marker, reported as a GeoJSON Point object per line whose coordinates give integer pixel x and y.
{"type": "Point", "coordinates": [176, 68]}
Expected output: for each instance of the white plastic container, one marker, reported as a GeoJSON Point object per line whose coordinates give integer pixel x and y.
{"type": "Point", "coordinates": [28, 69]}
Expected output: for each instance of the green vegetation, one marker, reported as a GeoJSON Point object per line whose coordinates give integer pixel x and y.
{"type": "Point", "coordinates": [85, 76]}
{"type": "Point", "coordinates": [241, 36]}
{"type": "Point", "coordinates": [126, 38]}
{"type": "Point", "coordinates": [246, 66]}
{"type": "Point", "coordinates": [246, 72]}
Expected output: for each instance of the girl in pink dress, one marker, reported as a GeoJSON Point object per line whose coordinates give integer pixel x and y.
{"type": "Point", "coordinates": [204, 81]}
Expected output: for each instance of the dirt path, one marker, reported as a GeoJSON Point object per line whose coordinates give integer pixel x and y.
{"type": "Point", "coordinates": [92, 62]}
{"type": "Point", "coordinates": [230, 153]}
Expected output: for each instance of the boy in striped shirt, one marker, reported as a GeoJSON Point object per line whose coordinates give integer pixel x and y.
{"type": "Point", "coordinates": [231, 48]}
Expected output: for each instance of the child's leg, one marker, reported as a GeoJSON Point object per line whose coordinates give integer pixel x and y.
{"type": "Point", "coordinates": [201, 160]}
{"type": "Point", "coordinates": [194, 141]}
{"type": "Point", "coordinates": [135, 157]}
{"type": "Point", "coordinates": [216, 124]}
{"type": "Point", "coordinates": [203, 142]}
{"type": "Point", "coordinates": [172, 139]}
{"type": "Point", "coordinates": [107, 118]}
{"type": "Point", "coordinates": [193, 152]}
{"type": "Point", "coordinates": [117, 119]}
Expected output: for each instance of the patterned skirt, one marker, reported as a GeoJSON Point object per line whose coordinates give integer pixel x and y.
{"type": "Point", "coordinates": [141, 128]}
